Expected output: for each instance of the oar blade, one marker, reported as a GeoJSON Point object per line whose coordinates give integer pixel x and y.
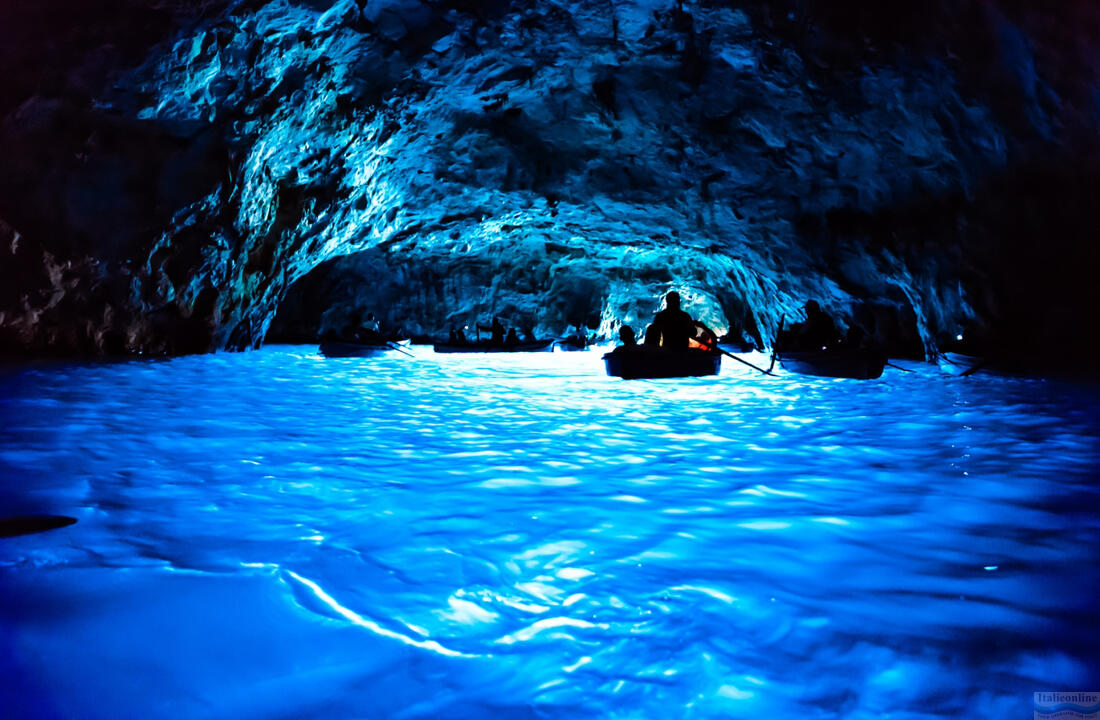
{"type": "Point", "coordinates": [29, 524]}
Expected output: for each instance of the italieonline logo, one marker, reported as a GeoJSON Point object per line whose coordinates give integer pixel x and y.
{"type": "Point", "coordinates": [1067, 706]}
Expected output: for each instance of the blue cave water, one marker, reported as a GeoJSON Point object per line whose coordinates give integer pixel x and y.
{"type": "Point", "coordinates": [279, 535]}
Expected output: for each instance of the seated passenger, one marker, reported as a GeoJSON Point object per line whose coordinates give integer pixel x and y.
{"type": "Point", "coordinates": [627, 337]}
{"type": "Point", "coordinates": [496, 331]}
{"type": "Point", "coordinates": [703, 338]}
{"type": "Point", "coordinates": [818, 332]}
{"type": "Point", "coordinates": [744, 340]}
{"type": "Point", "coordinates": [855, 338]}
{"type": "Point", "coordinates": [511, 338]}
{"type": "Point", "coordinates": [674, 326]}
{"type": "Point", "coordinates": [368, 331]}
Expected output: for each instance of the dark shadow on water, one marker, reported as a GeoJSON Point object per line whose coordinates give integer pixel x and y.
{"type": "Point", "coordinates": [29, 524]}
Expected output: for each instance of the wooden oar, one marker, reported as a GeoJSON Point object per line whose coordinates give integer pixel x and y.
{"type": "Point", "coordinates": [715, 347]}
{"type": "Point", "coordinates": [27, 524]}
{"type": "Point", "coordinates": [744, 362]}
{"type": "Point", "coordinates": [775, 345]}
{"type": "Point", "coordinates": [398, 348]}
{"type": "Point", "coordinates": [898, 367]}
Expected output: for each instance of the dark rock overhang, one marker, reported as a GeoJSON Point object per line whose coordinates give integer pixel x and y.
{"type": "Point", "coordinates": [174, 170]}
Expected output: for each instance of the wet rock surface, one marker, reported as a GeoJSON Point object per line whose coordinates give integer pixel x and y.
{"type": "Point", "coordinates": [921, 172]}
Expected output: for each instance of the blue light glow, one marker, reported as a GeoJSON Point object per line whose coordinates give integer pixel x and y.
{"type": "Point", "coordinates": [476, 536]}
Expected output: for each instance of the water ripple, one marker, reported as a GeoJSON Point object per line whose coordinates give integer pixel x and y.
{"type": "Point", "coordinates": [525, 535]}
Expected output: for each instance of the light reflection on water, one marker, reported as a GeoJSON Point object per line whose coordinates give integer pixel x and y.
{"type": "Point", "coordinates": [275, 534]}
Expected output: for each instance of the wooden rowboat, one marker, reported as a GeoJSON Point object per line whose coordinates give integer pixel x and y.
{"type": "Point", "coordinates": [573, 344]}
{"type": "Point", "coordinates": [640, 362]}
{"type": "Point", "coordinates": [338, 349]}
{"type": "Point", "coordinates": [491, 347]}
{"type": "Point", "coordinates": [840, 363]}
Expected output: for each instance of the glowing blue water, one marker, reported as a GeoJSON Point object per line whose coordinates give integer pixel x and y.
{"type": "Point", "coordinates": [274, 534]}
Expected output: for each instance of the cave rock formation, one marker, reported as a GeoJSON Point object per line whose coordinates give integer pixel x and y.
{"type": "Point", "coordinates": [172, 173]}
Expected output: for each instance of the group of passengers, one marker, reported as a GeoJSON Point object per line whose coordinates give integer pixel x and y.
{"type": "Point", "coordinates": [367, 331]}
{"type": "Point", "coordinates": [818, 332]}
{"type": "Point", "coordinates": [497, 334]}
{"type": "Point", "coordinates": [672, 328]}
{"type": "Point", "coordinates": [675, 329]}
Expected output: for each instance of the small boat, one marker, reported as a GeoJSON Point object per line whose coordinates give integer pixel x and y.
{"type": "Point", "coordinates": [640, 362]}
{"type": "Point", "coordinates": [492, 347]}
{"type": "Point", "coordinates": [840, 363]}
{"type": "Point", "coordinates": [573, 344]}
{"type": "Point", "coordinates": [341, 349]}
{"type": "Point", "coordinates": [959, 364]}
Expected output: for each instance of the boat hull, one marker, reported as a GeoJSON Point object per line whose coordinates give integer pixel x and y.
{"type": "Point", "coordinates": [572, 345]}
{"type": "Point", "coordinates": [854, 364]}
{"type": "Point", "coordinates": [537, 346]}
{"type": "Point", "coordinates": [959, 364]}
{"type": "Point", "coordinates": [336, 349]}
{"type": "Point", "coordinates": [645, 363]}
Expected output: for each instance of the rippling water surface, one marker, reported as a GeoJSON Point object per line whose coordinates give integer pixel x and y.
{"type": "Point", "coordinates": [279, 535]}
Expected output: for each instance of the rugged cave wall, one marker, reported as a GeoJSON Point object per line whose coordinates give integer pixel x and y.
{"type": "Point", "coordinates": [86, 185]}
{"type": "Point", "coordinates": [563, 162]}
{"type": "Point", "coordinates": [548, 287]}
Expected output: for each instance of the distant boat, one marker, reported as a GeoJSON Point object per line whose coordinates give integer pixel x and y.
{"type": "Point", "coordinates": [573, 343]}
{"type": "Point", "coordinates": [640, 362]}
{"type": "Point", "coordinates": [340, 349]}
{"type": "Point", "coordinates": [492, 347]}
{"type": "Point", "coordinates": [959, 364]}
{"type": "Point", "coordinates": [839, 363]}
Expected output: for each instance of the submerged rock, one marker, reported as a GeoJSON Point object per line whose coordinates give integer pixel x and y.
{"type": "Point", "coordinates": [561, 163]}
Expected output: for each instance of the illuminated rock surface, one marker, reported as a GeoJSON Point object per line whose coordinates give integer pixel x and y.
{"type": "Point", "coordinates": [557, 163]}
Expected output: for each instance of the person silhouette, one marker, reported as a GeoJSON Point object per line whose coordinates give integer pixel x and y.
{"type": "Point", "coordinates": [627, 337]}
{"type": "Point", "coordinates": [855, 338]}
{"type": "Point", "coordinates": [368, 330]}
{"type": "Point", "coordinates": [674, 326]}
{"type": "Point", "coordinates": [818, 332]}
